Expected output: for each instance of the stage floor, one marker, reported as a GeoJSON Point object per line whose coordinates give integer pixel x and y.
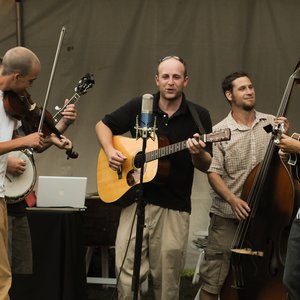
{"type": "Point", "coordinates": [188, 291]}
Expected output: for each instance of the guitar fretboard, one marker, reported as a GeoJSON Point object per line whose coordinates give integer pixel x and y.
{"type": "Point", "coordinates": [222, 135]}
{"type": "Point", "coordinates": [73, 100]}
{"type": "Point", "coordinates": [164, 151]}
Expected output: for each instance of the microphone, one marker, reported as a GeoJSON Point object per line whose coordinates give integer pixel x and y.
{"type": "Point", "coordinates": [146, 120]}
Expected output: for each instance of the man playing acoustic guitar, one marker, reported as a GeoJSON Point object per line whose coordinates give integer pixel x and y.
{"type": "Point", "coordinates": [168, 206]}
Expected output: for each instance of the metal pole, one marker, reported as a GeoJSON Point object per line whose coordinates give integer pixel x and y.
{"type": "Point", "coordinates": [19, 22]}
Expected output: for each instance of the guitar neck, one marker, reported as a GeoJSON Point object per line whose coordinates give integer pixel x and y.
{"type": "Point", "coordinates": [217, 136]}
{"type": "Point", "coordinates": [167, 150]}
{"type": "Point", "coordinates": [73, 100]}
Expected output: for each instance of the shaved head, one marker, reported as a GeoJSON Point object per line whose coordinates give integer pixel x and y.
{"type": "Point", "coordinates": [19, 60]}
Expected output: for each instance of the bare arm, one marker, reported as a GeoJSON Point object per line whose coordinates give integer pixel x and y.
{"type": "Point", "coordinates": [34, 140]}
{"type": "Point", "coordinates": [104, 135]}
{"type": "Point", "coordinates": [239, 207]}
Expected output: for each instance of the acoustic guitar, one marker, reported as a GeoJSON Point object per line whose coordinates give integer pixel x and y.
{"type": "Point", "coordinates": [112, 185]}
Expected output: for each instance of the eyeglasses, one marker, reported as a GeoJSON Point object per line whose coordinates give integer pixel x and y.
{"type": "Point", "coordinates": [175, 57]}
{"type": "Point", "coordinates": [172, 56]}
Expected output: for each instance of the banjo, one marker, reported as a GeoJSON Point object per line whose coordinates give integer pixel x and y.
{"type": "Point", "coordinates": [17, 187]}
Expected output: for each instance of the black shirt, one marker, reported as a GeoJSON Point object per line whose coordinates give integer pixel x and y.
{"type": "Point", "coordinates": [175, 193]}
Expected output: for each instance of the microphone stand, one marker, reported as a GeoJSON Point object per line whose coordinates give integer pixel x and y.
{"type": "Point", "coordinates": [140, 211]}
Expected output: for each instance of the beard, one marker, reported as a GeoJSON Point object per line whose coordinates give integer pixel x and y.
{"type": "Point", "coordinates": [248, 106]}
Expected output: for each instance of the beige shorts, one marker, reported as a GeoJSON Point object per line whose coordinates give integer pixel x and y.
{"type": "Point", "coordinates": [215, 266]}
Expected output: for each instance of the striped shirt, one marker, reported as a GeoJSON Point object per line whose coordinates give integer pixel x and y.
{"type": "Point", "coordinates": [233, 160]}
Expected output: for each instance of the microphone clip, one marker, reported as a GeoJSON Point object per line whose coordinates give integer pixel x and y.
{"type": "Point", "coordinates": [145, 132]}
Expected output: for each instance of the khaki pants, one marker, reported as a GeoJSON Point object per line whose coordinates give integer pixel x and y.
{"type": "Point", "coordinates": [215, 266]}
{"type": "Point", "coordinates": [164, 246]}
{"type": "Point", "coordinates": [5, 273]}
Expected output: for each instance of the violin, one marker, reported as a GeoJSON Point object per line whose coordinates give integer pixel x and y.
{"type": "Point", "coordinates": [21, 107]}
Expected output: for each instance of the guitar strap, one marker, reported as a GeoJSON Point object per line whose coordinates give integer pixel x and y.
{"type": "Point", "coordinates": [195, 116]}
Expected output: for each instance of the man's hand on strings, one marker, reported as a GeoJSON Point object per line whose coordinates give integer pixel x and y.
{"type": "Point", "coordinates": [240, 208]}
{"type": "Point", "coordinates": [201, 158]}
{"type": "Point", "coordinates": [115, 159]}
{"type": "Point", "coordinates": [69, 113]}
{"type": "Point", "coordinates": [195, 145]}
{"type": "Point", "coordinates": [284, 121]}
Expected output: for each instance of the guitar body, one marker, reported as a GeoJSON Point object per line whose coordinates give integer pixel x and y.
{"type": "Point", "coordinates": [112, 185]}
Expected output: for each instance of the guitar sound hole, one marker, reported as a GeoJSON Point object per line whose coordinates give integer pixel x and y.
{"type": "Point", "coordinates": [132, 178]}
{"type": "Point", "coordinates": [138, 160]}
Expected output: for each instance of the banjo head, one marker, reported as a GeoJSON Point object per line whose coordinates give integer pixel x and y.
{"type": "Point", "coordinates": [18, 187]}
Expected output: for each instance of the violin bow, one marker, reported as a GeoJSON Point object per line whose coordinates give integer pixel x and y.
{"type": "Point", "coordinates": [62, 34]}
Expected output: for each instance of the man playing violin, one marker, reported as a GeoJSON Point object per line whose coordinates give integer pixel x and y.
{"type": "Point", "coordinates": [19, 69]}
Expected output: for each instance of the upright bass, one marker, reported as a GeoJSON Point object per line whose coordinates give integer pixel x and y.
{"type": "Point", "coordinates": [259, 245]}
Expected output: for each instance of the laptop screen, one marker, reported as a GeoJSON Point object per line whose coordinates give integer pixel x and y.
{"type": "Point", "coordinates": [61, 191]}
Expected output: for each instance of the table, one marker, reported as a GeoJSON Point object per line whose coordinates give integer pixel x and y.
{"type": "Point", "coordinates": [100, 228]}
{"type": "Point", "coordinates": [58, 257]}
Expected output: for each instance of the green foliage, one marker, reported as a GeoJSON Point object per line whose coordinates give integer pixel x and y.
{"type": "Point", "coordinates": [188, 273]}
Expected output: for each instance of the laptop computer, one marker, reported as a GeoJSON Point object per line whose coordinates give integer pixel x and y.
{"type": "Point", "coordinates": [61, 191]}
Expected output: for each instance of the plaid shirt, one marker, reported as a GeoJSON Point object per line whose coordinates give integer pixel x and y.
{"type": "Point", "coordinates": [233, 160]}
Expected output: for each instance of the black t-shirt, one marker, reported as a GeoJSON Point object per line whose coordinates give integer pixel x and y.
{"type": "Point", "coordinates": [175, 193]}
